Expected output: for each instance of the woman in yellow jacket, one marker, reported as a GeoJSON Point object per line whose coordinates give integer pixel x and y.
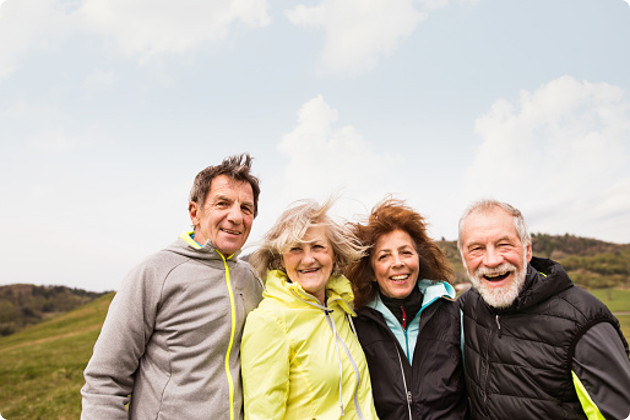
{"type": "Point", "coordinates": [300, 357]}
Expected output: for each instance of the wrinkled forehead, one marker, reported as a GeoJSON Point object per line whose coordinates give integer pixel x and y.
{"type": "Point", "coordinates": [224, 186]}
{"type": "Point", "coordinates": [489, 221]}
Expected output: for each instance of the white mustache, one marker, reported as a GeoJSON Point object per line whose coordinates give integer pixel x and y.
{"type": "Point", "coordinates": [506, 267]}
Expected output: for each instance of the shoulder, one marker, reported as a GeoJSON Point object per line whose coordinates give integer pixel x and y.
{"type": "Point", "coordinates": [368, 320]}
{"type": "Point", "coordinates": [583, 303]}
{"type": "Point", "coordinates": [246, 272]}
{"type": "Point", "coordinates": [467, 298]}
{"type": "Point", "coordinates": [267, 316]}
{"type": "Point", "coordinates": [448, 308]}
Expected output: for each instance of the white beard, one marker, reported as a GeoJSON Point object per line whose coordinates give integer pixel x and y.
{"type": "Point", "coordinates": [499, 297]}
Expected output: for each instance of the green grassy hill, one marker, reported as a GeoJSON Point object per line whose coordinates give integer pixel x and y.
{"type": "Point", "coordinates": [42, 365]}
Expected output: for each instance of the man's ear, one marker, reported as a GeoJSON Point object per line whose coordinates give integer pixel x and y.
{"type": "Point", "coordinates": [193, 211]}
{"type": "Point", "coordinates": [529, 253]}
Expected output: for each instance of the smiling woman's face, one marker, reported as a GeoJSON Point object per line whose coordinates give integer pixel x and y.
{"type": "Point", "coordinates": [396, 264]}
{"type": "Point", "coordinates": [310, 262]}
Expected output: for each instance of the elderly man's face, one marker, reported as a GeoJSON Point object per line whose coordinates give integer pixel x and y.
{"type": "Point", "coordinates": [494, 256]}
{"type": "Point", "coordinates": [226, 216]}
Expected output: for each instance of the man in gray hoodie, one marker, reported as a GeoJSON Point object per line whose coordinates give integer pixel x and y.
{"type": "Point", "coordinates": [169, 347]}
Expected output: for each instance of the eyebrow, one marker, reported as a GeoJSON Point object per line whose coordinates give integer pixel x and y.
{"type": "Point", "coordinates": [391, 249]}
{"type": "Point", "coordinates": [221, 197]}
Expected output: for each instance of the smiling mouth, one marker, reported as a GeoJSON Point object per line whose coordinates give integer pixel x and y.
{"type": "Point", "coordinates": [309, 270]}
{"type": "Point", "coordinates": [231, 232]}
{"type": "Point", "coordinates": [400, 277]}
{"type": "Point", "coordinates": [497, 277]}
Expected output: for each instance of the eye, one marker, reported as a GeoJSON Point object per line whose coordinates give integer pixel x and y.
{"type": "Point", "coordinates": [247, 210]}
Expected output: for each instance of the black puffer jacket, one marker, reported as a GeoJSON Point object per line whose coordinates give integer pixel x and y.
{"type": "Point", "coordinates": [432, 387]}
{"type": "Point", "coordinates": [518, 360]}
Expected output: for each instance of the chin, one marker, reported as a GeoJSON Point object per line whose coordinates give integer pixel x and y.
{"type": "Point", "coordinates": [501, 296]}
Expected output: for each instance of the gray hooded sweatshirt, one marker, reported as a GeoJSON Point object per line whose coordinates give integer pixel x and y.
{"type": "Point", "coordinates": [170, 342]}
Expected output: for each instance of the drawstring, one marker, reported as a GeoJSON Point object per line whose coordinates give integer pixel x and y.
{"type": "Point", "coordinates": [332, 326]}
{"type": "Point", "coordinates": [338, 341]}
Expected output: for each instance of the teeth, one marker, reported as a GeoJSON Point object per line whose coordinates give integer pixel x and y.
{"type": "Point", "coordinates": [495, 275]}
{"type": "Point", "coordinates": [310, 270]}
{"type": "Point", "coordinates": [233, 232]}
{"type": "Point", "coordinates": [400, 277]}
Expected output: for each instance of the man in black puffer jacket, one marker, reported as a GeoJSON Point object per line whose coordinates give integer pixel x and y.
{"type": "Point", "coordinates": [535, 345]}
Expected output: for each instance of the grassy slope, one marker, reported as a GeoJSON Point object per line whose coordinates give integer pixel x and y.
{"type": "Point", "coordinates": [618, 301]}
{"type": "Point", "coordinates": [42, 366]}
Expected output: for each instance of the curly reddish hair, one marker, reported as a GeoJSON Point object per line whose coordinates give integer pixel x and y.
{"type": "Point", "coordinates": [387, 216]}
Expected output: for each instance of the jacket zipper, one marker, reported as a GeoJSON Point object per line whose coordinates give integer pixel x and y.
{"type": "Point", "coordinates": [498, 324]}
{"type": "Point", "coordinates": [402, 372]}
{"type": "Point", "coordinates": [232, 333]}
{"type": "Point", "coordinates": [487, 367]}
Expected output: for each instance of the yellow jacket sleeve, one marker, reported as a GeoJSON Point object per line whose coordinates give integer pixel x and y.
{"type": "Point", "coordinates": [265, 354]}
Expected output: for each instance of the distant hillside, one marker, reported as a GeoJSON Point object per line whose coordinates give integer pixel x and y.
{"type": "Point", "coordinates": [42, 365]}
{"type": "Point", "coordinates": [27, 304]}
{"type": "Point", "coordinates": [591, 263]}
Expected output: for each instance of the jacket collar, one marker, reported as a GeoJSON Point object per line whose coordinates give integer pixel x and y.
{"type": "Point", "coordinates": [431, 291]}
{"type": "Point", "coordinates": [544, 278]}
{"type": "Point", "coordinates": [186, 245]}
{"type": "Point", "coordinates": [338, 292]}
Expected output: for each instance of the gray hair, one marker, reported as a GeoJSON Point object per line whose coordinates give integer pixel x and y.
{"type": "Point", "coordinates": [484, 206]}
{"type": "Point", "coordinates": [236, 167]}
{"type": "Point", "coordinates": [290, 229]}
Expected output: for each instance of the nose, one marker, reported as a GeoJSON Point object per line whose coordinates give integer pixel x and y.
{"type": "Point", "coordinates": [397, 260]}
{"type": "Point", "coordinates": [235, 215]}
{"type": "Point", "coordinates": [492, 257]}
{"type": "Point", "coordinates": [308, 257]}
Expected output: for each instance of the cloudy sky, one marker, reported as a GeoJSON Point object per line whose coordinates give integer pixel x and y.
{"type": "Point", "coordinates": [108, 108]}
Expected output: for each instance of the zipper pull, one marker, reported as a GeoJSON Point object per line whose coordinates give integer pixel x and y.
{"type": "Point", "coordinates": [404, 318]}
{"type": "Point", "coordinates": [409, 398]}
{"type": "Point", "coordinates": [498, 324]}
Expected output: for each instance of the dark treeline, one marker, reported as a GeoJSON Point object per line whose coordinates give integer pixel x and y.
{"type": "Point", "coordinates": [591, 263]}
{"type": "Point", "coordinates": [25, 304]}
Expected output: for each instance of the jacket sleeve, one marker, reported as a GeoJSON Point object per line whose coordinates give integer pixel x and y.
{"type": "Point", "coordinates": [601, 373]}
{"type": "Point", "coordinates": [109, 375]}
{"type": "Point", "coordinates": [265, 353]}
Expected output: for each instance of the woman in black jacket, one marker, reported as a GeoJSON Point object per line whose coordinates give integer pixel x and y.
{"type": "Point", "coordinates": [408, 322]}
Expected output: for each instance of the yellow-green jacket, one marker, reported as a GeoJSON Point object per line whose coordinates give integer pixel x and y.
{"type": "Point", "coordinates": [302, 360]}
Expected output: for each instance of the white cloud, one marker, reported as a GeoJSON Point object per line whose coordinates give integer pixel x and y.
{"type": "Point", "coordinates": [150, 27]}
{"type": "Point", "coordinates": [553, 152]}
{"type": "Point", "coordinates": [139, 28]}
{"type": "Point", "coordinates": [323, 160]}
{"type": "Point", "coordinates": [99, 80]}
{"type": "Point", "coordinates": [359, 32]}
{"type": "Point", "coordinates": [27, 25]}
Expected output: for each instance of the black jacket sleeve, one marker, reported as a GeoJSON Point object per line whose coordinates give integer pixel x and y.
{"type": "Point", "coordinates": [602, 366]}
